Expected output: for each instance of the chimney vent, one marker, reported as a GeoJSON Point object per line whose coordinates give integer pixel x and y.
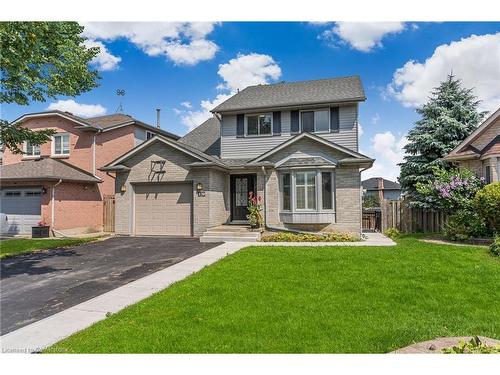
{"type": "Point", "coordinates": [158, 117]}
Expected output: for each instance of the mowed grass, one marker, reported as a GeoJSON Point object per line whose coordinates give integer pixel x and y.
{"type": "Point", "coordinates": [17, 246]}
{"type": "Point", "coordinates": [311, 300]}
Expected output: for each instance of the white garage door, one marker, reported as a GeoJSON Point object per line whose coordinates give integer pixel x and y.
{"type": "Point", "coordinates": [163, 209]}
{"type": "Point", "coordinates": [20, 210]}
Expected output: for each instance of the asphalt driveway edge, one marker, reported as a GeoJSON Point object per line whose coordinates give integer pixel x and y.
{"type": "Point", "coordinates": [43, 333]}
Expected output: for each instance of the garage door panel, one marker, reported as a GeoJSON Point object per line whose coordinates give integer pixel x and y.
{"type": "Point", "coordinates": [163, 209]}
{"type": "Point", "coordinates": [20, 210]}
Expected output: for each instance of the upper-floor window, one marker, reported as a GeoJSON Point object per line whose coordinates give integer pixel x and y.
{"type": "Point", "coordinates": [259, 124]}
{"type": "Point", "coordinates": [315, 121]}
{"type": "Point", "coordinates": [31, 150]}
{"type": "Point", "coordinates": [149, 135]}
{"type": "Point", "coordinates": [60, 144]}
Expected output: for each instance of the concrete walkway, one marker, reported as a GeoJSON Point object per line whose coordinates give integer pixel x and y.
{"type": "Point", "coordinates": [43, 333]}
{"type": "Point", "coordinates": [372, 239]}
{"type": "Point", "coordinates": [437, 345]}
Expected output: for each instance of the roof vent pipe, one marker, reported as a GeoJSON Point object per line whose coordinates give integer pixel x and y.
{"type": "Point", "coordinates": [158, 117]}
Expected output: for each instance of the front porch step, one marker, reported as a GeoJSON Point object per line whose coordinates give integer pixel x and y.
{"type": "Point", "coordinates": [230, 233]}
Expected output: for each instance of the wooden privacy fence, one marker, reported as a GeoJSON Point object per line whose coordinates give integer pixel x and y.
{"type": "Point", "coordinates": [397, 214]}
{"type": "Point", "coordinates": [109, 213]}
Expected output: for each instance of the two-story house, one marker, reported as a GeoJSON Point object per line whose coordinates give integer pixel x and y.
{"type": "Point", "coordinates": [294, 145]}
{"type": "Point", "coordinates": [59, 183]}
{"type": "Point", "coordinates": [480, 151]}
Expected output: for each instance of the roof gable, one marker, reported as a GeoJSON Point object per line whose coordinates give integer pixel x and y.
{"type": "Point", "coordinates": [314, 138]}
{"type": "Point", "coordinates": [65, 115]}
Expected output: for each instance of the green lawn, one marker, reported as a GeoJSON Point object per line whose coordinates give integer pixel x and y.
{"type": "Point", "coordinates": [311, 300]}
{"type": "Point", "coordinates": [17, 246]}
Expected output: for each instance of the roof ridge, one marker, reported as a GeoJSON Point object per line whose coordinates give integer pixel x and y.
{"type": "Point", "coordinates": [303, 81]}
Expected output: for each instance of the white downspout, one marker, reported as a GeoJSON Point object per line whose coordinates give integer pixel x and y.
{"type": "Point", "coordinates": [53, 203]}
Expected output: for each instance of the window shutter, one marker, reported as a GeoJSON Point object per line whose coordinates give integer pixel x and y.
{"type": "Point", "coordinates": [334, 119]}
{"type": "Point", "coordinates": [240, 125]}
{"type": "Point", "coordinates": [294, 122]}
{"type": "Point", "coordinates": [277, 123]}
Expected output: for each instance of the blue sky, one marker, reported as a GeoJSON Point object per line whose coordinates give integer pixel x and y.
{"type": "Point", "coordinates": [177, 66]}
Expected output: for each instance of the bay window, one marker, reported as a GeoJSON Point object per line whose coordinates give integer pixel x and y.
{"type": "Point", "coordinates": [306, 191]}
{"type": "Point", "coordinates": [259, 124]}
{"type": "Point", "coordinates": [60, 144]}
{"type": "Point", "coordinates": [315, 121]}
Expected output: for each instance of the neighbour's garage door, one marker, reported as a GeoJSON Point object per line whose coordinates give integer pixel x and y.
{"type": "Point", "coordinates": [163, 209]}
{"type": "Point", "coordinates": [20, 210]}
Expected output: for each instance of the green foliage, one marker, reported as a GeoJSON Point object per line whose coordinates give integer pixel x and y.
{"type": "Point", "coordinates": [41, 60]}
{"type": "Point", "coordinates": [309, 237]}
{"type": "Point", "coordinates": [465, 224]}
{"type": "Point", "coordinates": [487, 204]}
{"type": "Point", "coordinates": [474, 346]}
{"type": "Point", "coordinates": [370, 201]}
{"type": "Point", "coordinates": [495, 246]}
{"type": "Point", "coordinates": [392, 233]}
{"type": "Point", "coordinates": [254, 211]}
{"type": "Point", "coordinates": [450, 190]}
{"type": "Point", "coordinates": [449, 116]}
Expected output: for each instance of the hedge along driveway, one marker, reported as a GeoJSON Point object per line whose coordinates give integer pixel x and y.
{"type": "Point", "coordinates": [312, 300]}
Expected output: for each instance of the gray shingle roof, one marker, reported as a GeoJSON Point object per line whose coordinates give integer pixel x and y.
{"type": "Point", "coordinates": [372, 184]}
{"type": "Point", "coordinates": [320, 91]}
{"type": "Point", "coordinates": [305, 162]}
{"type": "Point", "coordinates": [205, 137]}
{"type": "Point", "coordinates": [45, 169]}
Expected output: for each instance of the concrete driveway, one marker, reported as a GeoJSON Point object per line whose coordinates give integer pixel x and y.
{"type": "Point", "coordinates": [35, 286]}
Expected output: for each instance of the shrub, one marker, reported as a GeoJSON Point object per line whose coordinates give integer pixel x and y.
{"type": "Point", "coordinates": [392, 232]}
{"type": "Point", "coordinates": [465, 224]}
{"type": "Point", "coordinates": [495, 247]}
{"type": "Point", "coordinates": [474, 346]}
{"type": "Point", "coordinates": [487, 205]}
{"type": "Point", "coordinates": [370, 201]}
{"type": "Point", "coordinates": [309, 237]}
{"type": "Point", "coordinates": [254, 208]}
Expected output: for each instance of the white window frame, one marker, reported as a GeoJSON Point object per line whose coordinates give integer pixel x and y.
{"type": "Point", "coordinates": [319, 191]}
{"type": "Point", "coordinates": [316, 110]}
{"type": "Point", "coordinates": [33, 155]}
{"type": "Point", "coordinates": [53, 152]}
{"type": "Point", "coordinates": [307, 187]}
{"type": "Point", "coordinates": [148, 133]}
{"type": "Point", "coordinates": [258, 127]}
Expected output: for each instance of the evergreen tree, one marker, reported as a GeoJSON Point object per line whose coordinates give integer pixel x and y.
{"type": "Point", "coordinates": [449, 116]}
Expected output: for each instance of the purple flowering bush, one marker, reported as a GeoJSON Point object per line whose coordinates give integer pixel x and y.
{"type": "Point", "coordinates": [453, 191]}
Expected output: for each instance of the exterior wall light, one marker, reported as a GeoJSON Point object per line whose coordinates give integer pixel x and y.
{"type": "Point", "coordinates": [199, 189]}
{"type": "Point", "coordinates": [123, 188]}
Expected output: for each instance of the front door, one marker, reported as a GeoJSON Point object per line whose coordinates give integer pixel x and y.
{"type": "Point", "coordinates": [241, 186]}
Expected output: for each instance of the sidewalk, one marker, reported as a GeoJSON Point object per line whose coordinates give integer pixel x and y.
{"type": "Point", "coordinates": [43, 333]}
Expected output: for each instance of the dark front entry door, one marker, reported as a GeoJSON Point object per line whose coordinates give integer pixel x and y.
{"type": "Point", "coordinates": [241, 185]}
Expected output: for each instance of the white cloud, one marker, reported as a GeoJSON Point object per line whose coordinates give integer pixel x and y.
{"type": "Point", "coordinates": [238, 73]}
{"type": "Point", "coordinates": [182, 42]}
{"type": "Point", "coordinates": [248, 70]}
{"type": "Point", "coordinates": [362, 36]}
{"type": "Point", "coordinates": [104, 61]}
{"type": "Point", "coordinates": [186, 104]}
{"type": "Point", "coordinates": [475, 60]}
{"type": "Point", "coordinates": [375, 119]}
{"type": "Point", "coordinates": [82, 110]}
{"type": "Point", "coordinates": [360, 130]}
{"type": "Point", "coordinates": [388, 151]}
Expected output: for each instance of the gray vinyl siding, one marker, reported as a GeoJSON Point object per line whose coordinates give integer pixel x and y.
{"type": "Point", "coordinates": [249, 147]}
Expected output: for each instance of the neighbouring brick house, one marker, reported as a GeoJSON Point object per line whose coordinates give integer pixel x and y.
{"type": "Point", "coordinates": [381, 188]}
{"type": "Point", "coordinates": [59, 182]}
{"type": "Point", "coordinates": [294, 145]}
{"type": "Point", "coordinates": [480, 151]}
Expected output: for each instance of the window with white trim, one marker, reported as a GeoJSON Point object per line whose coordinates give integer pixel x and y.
{"type": "Point", "coordinates": [305, 190]}
{"type": "Point", "coordinates": [315, 121]}
{"type": "Point", "coordinates": [31, 150]}
{"type": "Point", "coordinates": [286, 191]}
{"type": "Point", "coordinates": [260, 124]}
{"type": "Point", "coordinates": [60, 144]}
{"type": "Point", "coordinates": [149, 135]}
